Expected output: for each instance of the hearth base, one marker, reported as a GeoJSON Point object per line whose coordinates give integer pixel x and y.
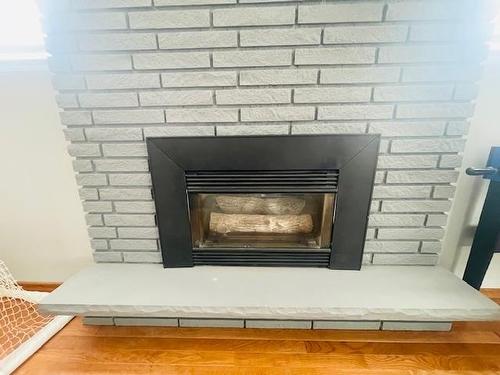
{"type": "Point", "coordinates": [246, 296]}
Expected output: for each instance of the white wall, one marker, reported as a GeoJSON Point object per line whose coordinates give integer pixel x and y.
{"type": "Point", "coordinates": [42, 230]}
{"type": "Point", "coordinates": [471, 191]}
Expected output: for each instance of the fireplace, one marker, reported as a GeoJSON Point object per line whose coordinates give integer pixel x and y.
{"type": "Point", "coordinates": [263, 201]}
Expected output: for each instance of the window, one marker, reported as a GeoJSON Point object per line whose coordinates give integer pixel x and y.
{"type": "Point", "coordinates": [21, 36]}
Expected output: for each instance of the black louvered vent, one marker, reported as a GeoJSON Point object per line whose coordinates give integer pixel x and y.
{"type": "Point", "coordinates": [277, 258]}
{"type": "Point", "coordinates": [323, 181]}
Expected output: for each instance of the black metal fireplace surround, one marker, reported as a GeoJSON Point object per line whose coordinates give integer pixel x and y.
{"type": "Point", "coordinates": [186, 170]}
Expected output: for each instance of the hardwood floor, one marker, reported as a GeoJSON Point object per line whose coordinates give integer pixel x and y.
{"type": "Point", "coordinates": [470, 348]}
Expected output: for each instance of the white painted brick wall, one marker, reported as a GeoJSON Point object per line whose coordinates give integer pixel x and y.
{"type": "Point", "coordinates": [126, 70]}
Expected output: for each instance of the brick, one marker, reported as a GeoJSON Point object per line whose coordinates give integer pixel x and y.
{"type": "Point", "coordinates": [280, 37]}
{"type": "Point", "coordinates": [94, 219]}
{"type": "Point", "coordinates": [436, 220]}
{"type": "Point", "coordinates": [142, 257]}
{"type": "Point", "coordinates": [91, 179]}
{"type": "Point", "coordinates": [125, 194]}
{"type": "Point", "coordinates": [133, 244]}
{"type": "Point", "coordinates": [355, 112]}
{"type": "Point", "coordinates": [360, 75]}
{"type": "Point", "coordinates": [138, 220]}
{"type": "Point", "coordinates": [171, 60]}
{"type": "Point", "coordinates": [347, 324]}
{"type": "Point", "coordinates": [429, 176]}
{"type": "Point", "coordinates": [179, 131]}
{"type": "Point", "coordinates": [457, 128]}
{"type": "Point", "coordinates": [295, 113]}
{"type": "Point", "coordinates": [435, 32]}
{"type": "Point", "coordinates": [434, 247]}
{"type": "Point", "coordinates": [443, 110]}
{"type": "Point", "coordinates": [367, 258]}
{"type": "Point", "coordinates": [416, 206]}
{"type": "Point", "coordinates": [123, 81]}
{"type": "Point", "coordinates": [412, 93]}
{"type": "Point", "coordinates": [198, 39]}
{"type": "Point", "coordinates": [103, 100]}
{"type": "Point", "coordinates": [450, 161]}
{"type": "Point", "coordinates": [428, 145]}
{"type": "Point", "coordinates": [97, 206]}
{"type": "Point", "coordinates": [169, 19]}
{"type": "Point", "coordinates": [135, 207]}
{"type": "Point", "coordinates": [102, 232]}
{"type": "Point", "coordinates": [198, 79]}
{"type": "Point", "coordinates": [176, 97]}
{"type": "Point", "coordinates": [407, 128]}
{"type": "Point", "coordinates": [147, 322]}
{"type": "Point", "coordinates": [391, 246]}
{"type": "Point", "coordinates": [101, 62]}
{"type": "Point", "coordinates": [279, 324]}
{"type": "Point", "coordinates": [60, 43]}
{"type": "Point", "coordinates": [192, 2]}
{"type": "Point", "coordinates": [328, 128]}
{"type": "Point", "coordinates": [406, 259]}
{"type": "Point", "coordinates": [379, 177]}
{"type": "Point", "coordinates": [202, 115]}
{"type": "Point", "coordinates": [84, 149]}
{"type": "Point", "coordinates": [68, 82]}
{"type": "Point", "coordinates": [75, 118]}
{"type": "Point", "coordinates": [124, 149]}
{"type": "Point", "coordinates": [334, 55]}
{"type": "Point", "coordinates": [401, 192]}
{"type": "Point", "coordinates": [252, 130]}
{"type": "Point", "coordinates": [121, 165]}
{"type": "Point", "coordinates": [415, 54]}
{"type": "Point", "coordinates": [333, 13]}
{"type": "Point", "coordinates": [444, 192]}
{"type": "Point", "coordinates": [439, 73]}
{"type": "Point", "coordinates": [365, 34]}
{"type": "Point", "coordinates": [277, 57]}
{"type": "Point", "coordinates": [422, 10]}
{"type": "Point", "coordinates": [375, 206]}
{"type": "Point", "coordinates": [243, 16]}
{"type": "Point", "coordinates": [82, 166]}
{"type": "Point", "coordinates": [370, 233]}
{"type": "Point", "coordinates": [107, 257]}
{"type": "Point", "coordinates": [117, 42]}
{"type": "Point", "coordinates": [332, 94]}
{"type": "Point", "coordinates": [407, 161]}
{"type": "Point", "coordinates": [214, 323]}
{"type": "Point", "coordinates": [88, 193]}
{"type": "Point", "coordinates": [67, 101]}
{"type": "Point", "coordinates": [98, 320]}
{"type": "Point", "coordinates": [253, 96]}
{"type": "Point", "coordinates": [113, 134]}
{"type": "Point", "coordinates": [88, 21]}
{"type": "Point", "coordinates": [100, 4]}
{"type": "Point", "coordinates": [387, 220]}
{"type": "Point", "coordinates": [99, 244]}
{"type": "Point", "coordinates": [138, 232]}
{"type": "Point", "coordinates": [416, 326]}
{"type": "Point", "coordinates": [466, 91]}
{"type": "Point", "coordinates": [278, 77]}
{"type": "Point", "coordinates": [139, 116]}
{"type": "Point", "coordinates": [130, 179]}
{"type": "Point", "coordinates": [410, 234]}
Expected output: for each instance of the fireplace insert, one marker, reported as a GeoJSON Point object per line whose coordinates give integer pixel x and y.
{"type": "Point", "coordinates": [263, 201]}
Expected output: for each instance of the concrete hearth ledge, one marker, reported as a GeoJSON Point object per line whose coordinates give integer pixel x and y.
{"type": "Point", "coordinates": [399, 293]}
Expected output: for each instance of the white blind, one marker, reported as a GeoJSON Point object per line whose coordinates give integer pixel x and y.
{"type": "Point", "coordinates": [21, 36]}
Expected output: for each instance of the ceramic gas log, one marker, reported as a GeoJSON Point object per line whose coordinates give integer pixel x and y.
{"type": "Point", "coordinates": [246, 223]}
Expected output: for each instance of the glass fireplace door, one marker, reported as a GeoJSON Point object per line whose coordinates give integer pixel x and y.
{"type": "Point", "coordinates": [265, 220]}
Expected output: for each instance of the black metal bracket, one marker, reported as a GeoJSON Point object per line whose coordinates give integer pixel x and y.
{"type": "Point", "coordinates": [487, 238]}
